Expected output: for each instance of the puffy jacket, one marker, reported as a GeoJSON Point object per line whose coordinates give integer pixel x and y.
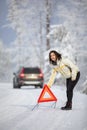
{"type": "Point", "coordinates": [66, 68]}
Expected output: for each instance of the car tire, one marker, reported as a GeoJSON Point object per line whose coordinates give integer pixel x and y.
{"type": "Point", "coordinates": [36, 86]}
{"type": "Point", "coordinates": [41, 86]}
{"type": "Point", "coordinates": [15, 84]}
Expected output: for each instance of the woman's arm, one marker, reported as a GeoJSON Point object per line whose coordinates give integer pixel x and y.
{"type": "Point", "coordinates": [52, 78]}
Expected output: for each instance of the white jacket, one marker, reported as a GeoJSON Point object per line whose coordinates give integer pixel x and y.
{"type": "Point", "coordinates": [66, 68]}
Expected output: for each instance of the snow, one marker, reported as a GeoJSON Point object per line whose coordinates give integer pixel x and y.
{"type": "Point", "coordinates": [16, 110]}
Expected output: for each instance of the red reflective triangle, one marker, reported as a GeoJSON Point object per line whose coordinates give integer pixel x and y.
{"type": "Point", "coordinates": [42, 97]}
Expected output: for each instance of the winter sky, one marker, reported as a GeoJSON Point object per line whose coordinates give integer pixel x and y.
{"type": "Point", "coordinates": [6, 34]}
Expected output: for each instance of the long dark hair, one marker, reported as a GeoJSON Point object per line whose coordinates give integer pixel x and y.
{"type": "Point", "coordinates": [58, 56]}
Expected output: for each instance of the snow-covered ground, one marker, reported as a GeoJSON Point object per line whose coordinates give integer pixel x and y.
{"type": "Point", "coordinates": [16, 113]}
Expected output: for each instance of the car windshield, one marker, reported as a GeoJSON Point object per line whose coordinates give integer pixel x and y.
{"type": "Point", "coordinates": [31, 70]}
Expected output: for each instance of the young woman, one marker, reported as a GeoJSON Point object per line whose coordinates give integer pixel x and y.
{"type": "Point", "coordinates": [69, 70]}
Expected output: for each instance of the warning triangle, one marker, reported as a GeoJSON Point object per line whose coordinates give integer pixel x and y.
{"type": "Point", "coordinates": [44, 95]}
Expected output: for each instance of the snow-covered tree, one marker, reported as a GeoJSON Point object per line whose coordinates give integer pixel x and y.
{"type": "Point", "coordinates": [84, 85]}
{"type": "Point", "coordinates": [32, 24]}
{"type": "Point", "coordinates": [72, 15]}
{"type": "Point", "coordinates": [5, 64]}
{"type": "Point", "coordinates": [17, 15]}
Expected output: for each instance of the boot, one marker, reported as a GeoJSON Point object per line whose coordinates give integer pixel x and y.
{"type": "Point", "coordinates": [68, 106]}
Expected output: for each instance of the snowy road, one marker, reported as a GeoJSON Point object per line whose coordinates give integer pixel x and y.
{"type": "Point", "coordinates": [16, 114]}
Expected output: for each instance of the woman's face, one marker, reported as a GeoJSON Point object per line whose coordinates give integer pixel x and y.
{"type": "Point", "coordinates": [53, 56]}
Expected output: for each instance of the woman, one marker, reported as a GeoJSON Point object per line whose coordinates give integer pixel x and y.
{"type": "Point", "coordinates": [69, 70]}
